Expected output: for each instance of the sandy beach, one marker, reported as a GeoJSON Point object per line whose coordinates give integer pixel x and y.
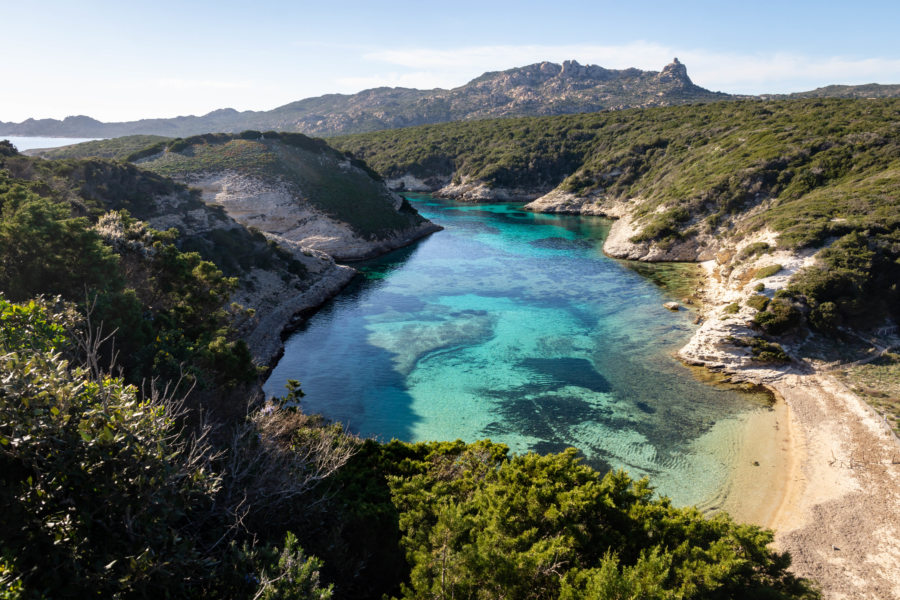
{"type": "Point", "coordinates": [826, 478]}
{"type": "Point", "coordinates": [840, 519]}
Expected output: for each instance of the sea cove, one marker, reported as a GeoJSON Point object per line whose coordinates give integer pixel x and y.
{"type": "Point", "coordinates": [514, 326]}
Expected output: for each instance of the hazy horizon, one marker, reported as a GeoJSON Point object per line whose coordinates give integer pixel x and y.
{"type": "Point", "coordinates": [118, 62]}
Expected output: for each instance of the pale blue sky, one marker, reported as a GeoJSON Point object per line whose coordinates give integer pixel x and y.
{"type": "Point", "coordinates": [127, 60]}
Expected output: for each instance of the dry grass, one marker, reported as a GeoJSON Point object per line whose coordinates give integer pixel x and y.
{"type": "Point", "coordinates": [878, 383]}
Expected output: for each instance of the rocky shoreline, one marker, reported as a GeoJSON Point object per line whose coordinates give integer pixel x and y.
{"type": "Point", "coordinates": [837, 516]}
{"type": "Point", "coordinates": [839, 479]}
{"type": "Point", "coordinates": [278, 306]}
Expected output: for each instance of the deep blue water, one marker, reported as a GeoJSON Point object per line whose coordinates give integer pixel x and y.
{"type": "Point", "coordinates": [514, 326]}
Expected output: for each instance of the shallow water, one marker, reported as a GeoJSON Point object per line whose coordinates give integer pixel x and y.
{"type": "Point", "coordinates": [514, 326]}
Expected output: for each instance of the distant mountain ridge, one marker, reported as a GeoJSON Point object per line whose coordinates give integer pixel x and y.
{"type": "Point", "coordinates": [540, 89]}
{"type": "Point", "coordinates": [544, 88]}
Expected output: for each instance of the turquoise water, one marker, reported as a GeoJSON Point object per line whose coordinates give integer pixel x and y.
{"type": "Point", "coordinates": [514, 326]}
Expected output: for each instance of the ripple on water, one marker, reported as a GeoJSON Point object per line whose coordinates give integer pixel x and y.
{"type": "Point", "coordinates": [515, 326]}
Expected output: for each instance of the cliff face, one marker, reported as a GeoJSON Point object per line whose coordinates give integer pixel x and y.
{"type": "Point", "coordinates": [540, 89]}
{"type": "Point", "coordinates": [275, 211]}
{"type": "Point", "coordinates": [296, 188]}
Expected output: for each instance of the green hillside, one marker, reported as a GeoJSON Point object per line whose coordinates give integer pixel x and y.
{"type": "Point", "coordinates": [341, 187]}
{"type": "Point", "coordinates": [814, 171]}
{"type": "Point", "coordinates": [115, 148]}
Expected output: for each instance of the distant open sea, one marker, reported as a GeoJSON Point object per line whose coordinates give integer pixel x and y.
{"type": "Point", "coordinates": [30, 143]}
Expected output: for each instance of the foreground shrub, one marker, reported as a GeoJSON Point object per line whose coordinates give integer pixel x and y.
{"type": "Point", "coordinates": [479, 524]}
{"type": "Point", "coordinates": [105, 493]}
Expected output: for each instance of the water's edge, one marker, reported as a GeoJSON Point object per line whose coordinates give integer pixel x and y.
{"type": "Point", "coordinates": [574, 350]}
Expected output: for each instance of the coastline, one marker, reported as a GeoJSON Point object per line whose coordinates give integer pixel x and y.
{"type": "Point", "coordinates": [831, 487]}
{"type": "Point", "coordinates": [828, 474]}
{"type": "Point", "coordinates": [281, 310]}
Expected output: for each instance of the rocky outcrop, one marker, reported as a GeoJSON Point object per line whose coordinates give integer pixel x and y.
{"type": "Point", "coordinates": [558, 201]}
{"type": "Point", "coordinates": [277, 208]}
{"type": "Point", "coordinates": [410, 183]}
{"type": "Point", "coordinates": [478, 191]}
{"type": "Point", "coordinates": [278, 303]}
{"type": "Point", "coordinates": [675, 73]}
{"type": "Point", "coordinates": [620, 244]}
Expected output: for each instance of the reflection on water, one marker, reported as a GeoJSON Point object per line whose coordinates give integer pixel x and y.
{"type": "Point", "coordinates": [515, 326]}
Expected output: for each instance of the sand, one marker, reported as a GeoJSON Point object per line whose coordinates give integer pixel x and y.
{"type": "Point", "coordinates": [840, 520]}
{"type": "Point", "coordinates": [828, 473]}
{"type": "Point", "coordinates": [764, 468]}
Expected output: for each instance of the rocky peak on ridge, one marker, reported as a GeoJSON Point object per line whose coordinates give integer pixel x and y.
{"type": "Point", "coordinates": [675, 72]}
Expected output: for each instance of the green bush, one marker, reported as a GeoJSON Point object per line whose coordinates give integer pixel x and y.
{"type": "Point", "coordinates": [92, 481]}
{"type": "Point", "coordinates": [779, 317]}
{"type": "Point", "coordinates": [478, 524]}
{"type": "Point", "coordinates": [768, 352]}
{"type": "Point", "coordinates": [732, 308]}
{"type": "Point", "coordinates": [295, 577]}
{"type": "Point", "coordinates": [758, 301]}
{"type": "Point", "coordinates": [754, 249]}
{"type": "Point", "coordinates": [767, 271]}
{"type": "Point", "coordinates": [45, 250]}
{"type": "Point", "coordinates": [825, 317]}
{"type": "Point", "coordinates": [762, 350]}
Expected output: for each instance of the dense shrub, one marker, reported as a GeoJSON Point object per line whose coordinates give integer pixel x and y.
{"type": "Point", "coordinates": [758, 301]}
{"type": "Point", "coordinates": [780, 316]}
{"type": "Point", "coordinates": [825, 316]}
{"type": "Point", "coordinates": [105, 493]}
{"type": "Point", "coordinates": [476, 523]}
{"type": "Point", "coordinates": [754, 249]}
{"type": "Point", "coordinates": [767, 271]}
{"type": "Point", "coordinates": [762, 350]}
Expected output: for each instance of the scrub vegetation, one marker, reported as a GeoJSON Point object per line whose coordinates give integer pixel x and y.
{"type": "Point", "coordinates": [338, 185]}
{"type": "Point", "coordinates": [818, 172]}
{"type": "Point", "coordinates": [156, 471]}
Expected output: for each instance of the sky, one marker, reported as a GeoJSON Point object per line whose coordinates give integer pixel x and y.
{"type": "Point", "coordinates": [127, 60]}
